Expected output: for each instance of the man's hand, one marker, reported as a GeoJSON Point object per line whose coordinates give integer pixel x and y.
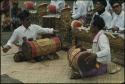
{"type": "Point", "coordinates": [55, 31]}
{"type": "Point", "coordinates": [90, 58]}
{"type": "Point", "coordinates": [6, 48]}
{"type": "Point", "coordinates": [115, 29]}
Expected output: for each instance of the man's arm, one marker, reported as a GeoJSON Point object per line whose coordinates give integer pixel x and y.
{"type": "Point", "coordinates": [104, 47]}
{"type": "Point", "coordinates": [46, 30]}
{"type": "Point", "coordinates": [10, 42]}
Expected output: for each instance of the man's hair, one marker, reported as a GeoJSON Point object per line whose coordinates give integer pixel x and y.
{"type": "Point", "coordinates": [99, 22]}
{"type": "Point", "coordinates": [23, 14]}
{"type": "Point", "coordinates": [103, 2]}
{"type": "Point", "coordinates": [112, 2]}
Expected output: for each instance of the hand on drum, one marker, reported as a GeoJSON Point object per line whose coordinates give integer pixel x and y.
{"type": "Point", "coordinates": [6, 48]}
{"type": "Point", "coordinates": [82, 48]}
{"type": "Point", "coordinates": [115, 29]}
{"type": "Point", "coordinates": [55, 31]}
{"type": "Point", "coordinates": [90, 58]}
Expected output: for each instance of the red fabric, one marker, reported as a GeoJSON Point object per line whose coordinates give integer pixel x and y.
{"type": "Point", "coordinates": [29, 5]}
{"type": "Point", "coordinates": [52, 8]}
{"type": "Point", "coordinates": [33, 48]}
{"type": "Point", "coordinates": [76, 24]}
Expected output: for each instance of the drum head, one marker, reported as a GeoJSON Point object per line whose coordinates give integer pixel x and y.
{"type": "Point", "coordinates": [83, 66]}
{"type": "Point", "coordinates": [27, 50]}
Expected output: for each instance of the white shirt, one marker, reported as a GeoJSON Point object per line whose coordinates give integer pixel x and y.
{"type": "Point", "coordinates": [60, 4]}
{"type": "Point", "coordinates": [107, 18]}
{"type": "Point", "coordinates": [118, 21]}
{"type": "Point", "coordinates": [79, 9]}
{"type": "Point", "coordinates": [31, 32]}
{"type": "Point", "coordinates": [123, 6]}
{"type": "Point", "coordinates": [108, 7]}
{"type": "Point", "coordinates": [102, 48]}
{"type": "Point", "coordinates": [89, 5]}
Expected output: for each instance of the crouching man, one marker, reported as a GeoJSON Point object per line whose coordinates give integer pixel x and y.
{"type": "Point", "coordinates": [91, 62]}
{"type": "Point", "coordinates": [26, 31]}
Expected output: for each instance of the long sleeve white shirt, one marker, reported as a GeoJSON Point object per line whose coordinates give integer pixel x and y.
{"type": "Point", "coordinates": [31, 32]}
{"type": "Point", "coordinates": [102, 48]}
{"type": "Point", "coordinates": [107, 18]}
{"type": "Point", "coordinates": [79, 9]}
{"type": "Point", "coordinates": [60, 4]}
{"type": "Point", "coordinates": [118, 21]}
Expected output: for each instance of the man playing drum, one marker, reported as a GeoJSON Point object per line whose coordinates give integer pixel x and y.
{"type": "Point", "coordinates": [26, 31]}
{"type": "Point", "coordinates": [92, 62]}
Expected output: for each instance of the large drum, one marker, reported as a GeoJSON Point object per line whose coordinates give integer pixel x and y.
{"type": "Point", "coordinates": [41, 47]}
{"type": "Point", "coordinates": [76, 59]}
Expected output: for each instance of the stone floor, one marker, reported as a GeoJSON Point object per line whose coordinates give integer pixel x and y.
{"type": "Point", "coordinates": [49, 71]}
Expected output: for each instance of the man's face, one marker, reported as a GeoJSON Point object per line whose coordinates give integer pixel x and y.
{"type": "Point", "coordinates": [93, 28]}
{"type": "Point", "coordinates": [117, 8]}
{"type": "Point", "coordinates": [27, 21]}
{"type": "Point", "coordinates": [98, 6]}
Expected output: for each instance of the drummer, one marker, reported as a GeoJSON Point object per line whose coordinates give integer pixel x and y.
{"type": "Point", "coordinates": [27, 30]}
{"type": "Point", "coordinates": [100, 51]}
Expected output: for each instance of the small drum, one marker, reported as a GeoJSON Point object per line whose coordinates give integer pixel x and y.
{"type": "Point", "coordinates": [76, 60]}
{"type": "Point", "coordinates": [40, 47]}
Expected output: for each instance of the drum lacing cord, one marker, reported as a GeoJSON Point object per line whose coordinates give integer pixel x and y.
{"type": "Point", "coordinates": [73, 58]}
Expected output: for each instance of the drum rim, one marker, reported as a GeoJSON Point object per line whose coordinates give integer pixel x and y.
{"type": "Point", "coordinates": [33, 48]}
{"type": "Point", "coordinates": [28, 45]}
{"type": "Point", "coordinates": [57, 42]}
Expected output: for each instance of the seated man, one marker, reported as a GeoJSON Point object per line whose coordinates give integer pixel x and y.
{"type": "Point", "coordinates": [95, 61]}
{"type": "Point", "coordinates": [117, 23]}
{"type": "Point", "coordinates": [100, 10]}
{"type": "Point", "coordinates": [26, 30]}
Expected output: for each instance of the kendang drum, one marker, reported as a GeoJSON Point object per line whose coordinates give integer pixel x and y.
{"type": "Point", "coordinates": [76, 60]}
{"type": "Point", "coordinates": [41, 47]}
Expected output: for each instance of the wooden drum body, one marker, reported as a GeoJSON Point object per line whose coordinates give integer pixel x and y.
{"type": "Point", "coordinates": [76, 59]}
{"type": "Point", "coordinates": [41, 47]}
{"type": "Point", "coordinates": [42, 9]}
